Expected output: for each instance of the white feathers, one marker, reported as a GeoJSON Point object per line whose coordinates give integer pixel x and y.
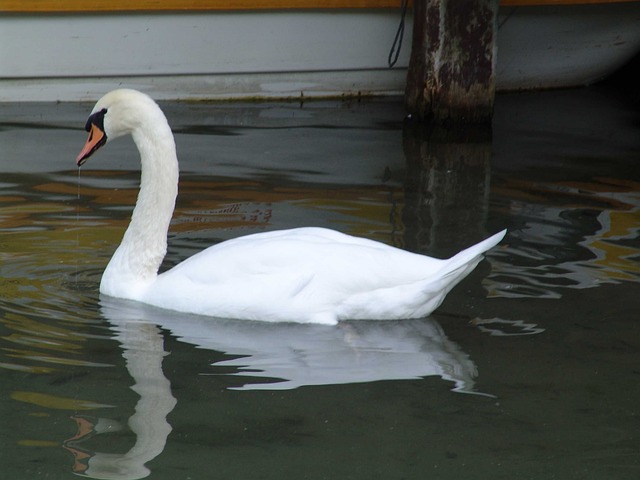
{"type": "Point", "coordinates": [309, 275]}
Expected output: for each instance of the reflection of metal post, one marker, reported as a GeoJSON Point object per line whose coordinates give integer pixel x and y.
{"type": "Point", "coordinates": [451, 77]}
{"type": "Point", "coordinates": [446, 188]}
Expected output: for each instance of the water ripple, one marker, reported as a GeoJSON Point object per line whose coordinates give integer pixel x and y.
{"type": "Point", "coordinates": [601, 218]}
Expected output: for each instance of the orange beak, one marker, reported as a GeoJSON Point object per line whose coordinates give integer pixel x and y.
{"type": "Point", "coordinates": [97, 138]}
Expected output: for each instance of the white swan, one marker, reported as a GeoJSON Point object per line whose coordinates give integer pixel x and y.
{"type": "Point", "coordinates": [307, 275]}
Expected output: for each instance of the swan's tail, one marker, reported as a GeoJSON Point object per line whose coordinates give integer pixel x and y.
{"type": "Point", "coordinates": [467, 259]}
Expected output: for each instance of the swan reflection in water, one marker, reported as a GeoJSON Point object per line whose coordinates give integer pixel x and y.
{"type": "Point", "coordinates": [279, 356]}
{"type": "Point", "coordinates": [143, 350]}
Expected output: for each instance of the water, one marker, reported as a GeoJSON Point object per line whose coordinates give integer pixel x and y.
{"type": "Point", "coordinates": [530, 369]}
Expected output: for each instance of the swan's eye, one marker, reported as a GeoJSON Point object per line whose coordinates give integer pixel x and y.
{"type": "Point", "coordinates": [96, 119]}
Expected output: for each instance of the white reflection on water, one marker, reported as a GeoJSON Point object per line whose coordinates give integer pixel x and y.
{"type": "Point", "coordinates": [143, 351]}
{"type": "Point", "coordinates": [289, 355]}
{"type": "Point", "coordinates": [293, 355]}
{"type": "Point", "coordinates": [499, 327]}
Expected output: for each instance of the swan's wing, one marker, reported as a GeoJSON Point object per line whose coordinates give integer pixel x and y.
{"type": "Point", "coordinates": [312, 274]}
{"type": "Point", "coordinates": [303, 251]}
{"type": "Point", "coordinates": [287, 273]}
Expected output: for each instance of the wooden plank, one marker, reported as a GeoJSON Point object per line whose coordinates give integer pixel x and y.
{"type": "Point", "coordinates": [21, 6]}
{"type": "Point", "coordinates": [531, 3]}
{"type": "Point", "coordinates": [70, 6]}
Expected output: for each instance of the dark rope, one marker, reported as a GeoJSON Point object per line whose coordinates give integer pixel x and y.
{"type": "Point", "coordinates": [397, 41]}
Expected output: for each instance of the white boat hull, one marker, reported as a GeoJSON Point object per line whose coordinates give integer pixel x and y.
{"type": "Point", "coordinates": [284, 54]}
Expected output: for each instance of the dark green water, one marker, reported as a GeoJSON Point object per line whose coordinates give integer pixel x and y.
{"type": "Point", "coordinates": [529, 370]}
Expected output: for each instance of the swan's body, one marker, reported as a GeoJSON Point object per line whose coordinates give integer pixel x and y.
{"type": "Point", "coordinates": [301, 275]}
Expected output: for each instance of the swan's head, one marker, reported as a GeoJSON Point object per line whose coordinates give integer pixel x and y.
{"type": "Point", "coordinates": [119, 112]}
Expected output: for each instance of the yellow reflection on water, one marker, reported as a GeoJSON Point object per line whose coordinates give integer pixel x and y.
{"type": "Point", "coordinates": [612, 249]}
{"type": "Point", "coordinates": [26, 368]}
{"type": "Point", "coordinates": [56, 402]}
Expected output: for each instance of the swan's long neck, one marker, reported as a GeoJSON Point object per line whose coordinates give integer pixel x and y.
{"type": "Point", "coordinates": [135, 263]}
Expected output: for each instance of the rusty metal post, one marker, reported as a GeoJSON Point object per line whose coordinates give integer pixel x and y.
{"type": "Point", "coordinates": [451, 77]}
